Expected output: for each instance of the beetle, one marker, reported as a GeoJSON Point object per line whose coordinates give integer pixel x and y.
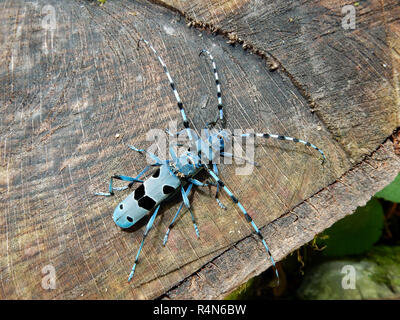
{"type": "Point", "coordinates": [177, 175]}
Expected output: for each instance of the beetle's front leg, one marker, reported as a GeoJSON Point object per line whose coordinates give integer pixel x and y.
{"type": "Point", "coordinates": [111, 189]}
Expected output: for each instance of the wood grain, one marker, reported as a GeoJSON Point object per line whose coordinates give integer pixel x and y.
{"type": "Point", "coordinates": [348, 76]}
{"type": "Point", "coordinates": [68, 93]}
{"type": "Point", "coordinates": [294, 229]}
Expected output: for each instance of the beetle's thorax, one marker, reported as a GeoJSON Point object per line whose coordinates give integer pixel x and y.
{"type": "Point", "coordinates": [186, 165]}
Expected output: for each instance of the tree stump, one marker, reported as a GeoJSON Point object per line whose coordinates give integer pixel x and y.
{"type": "Point", "coordinates": [76, 89]}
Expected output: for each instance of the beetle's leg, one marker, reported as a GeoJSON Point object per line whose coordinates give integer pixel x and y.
{"type": "Point", "coordinates": [148, 228]}
{"type": "Point", "coordinates": [125, 178]}
{"type": "Point", "coordinates": [209, 183]}
{"type": "Point", "coordinates": [201, 184]}
{"type": "Point", "coordinates": [215, 168]}
{"type": "Point", "coordinates": [153, 156]}
{"type": "Point", "coordinates": [175, 134]}
{"type": "Point", "coordinates": [111, 189]}
{"type": "Point", "coordinates": [187, 204]}
{"type": "Point", "coordinates": [177, 161]}
{"type": "Point", "coordinates": [171, 225]}
{"type": "Point", "coordinates": [246, 215]}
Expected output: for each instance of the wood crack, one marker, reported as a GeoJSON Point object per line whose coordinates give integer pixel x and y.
{"type": "Point", "coordinates": [289, 213]}
{"type": "Point", "coordinates": [272, 62]}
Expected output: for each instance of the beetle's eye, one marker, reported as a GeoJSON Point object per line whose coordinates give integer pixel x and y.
{"type": "Point", "coordinates": [129, 219]}
{"type": "Point", "coordinates": [121, 206]}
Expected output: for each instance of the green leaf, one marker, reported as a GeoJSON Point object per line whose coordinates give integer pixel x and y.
{"type": "Point", "coordinates": [356, 233]}
{"type": "Point", "coordinates": [391, 192]}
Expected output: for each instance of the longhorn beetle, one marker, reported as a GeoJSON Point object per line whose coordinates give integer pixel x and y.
{"type": "Point", "coordinates": [177, 174]}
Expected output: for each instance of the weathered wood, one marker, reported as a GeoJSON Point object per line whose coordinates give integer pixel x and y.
{"type": "Point", "coordinates": [66, 95]}
{"type": "Point", "coordinates": [294, 229]}
{"type": "Point", "coordinates": [348, 76]}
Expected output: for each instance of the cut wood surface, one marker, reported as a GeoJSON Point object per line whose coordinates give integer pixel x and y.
{"type": "Point", "coordinates": [73, 97]}
{"type": "Point", "coordinates": [348, 76]}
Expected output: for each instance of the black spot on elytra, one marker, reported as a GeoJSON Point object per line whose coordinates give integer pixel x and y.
{"type": "Point", "coordinates": [156, 174]}
{"type": "Point", "coordinates": [146, 203]}
{"type": "Point", "coordinates": [129, 219]}
{"type": "Point", "coordinates": [168, 189]}
{"type": "Point", "coordinates": [139, 192]}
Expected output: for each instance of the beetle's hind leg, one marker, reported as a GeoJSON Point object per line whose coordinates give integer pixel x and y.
{"type": "Point", "coordinates": [148, 228]}
{"type": "Point", "coordinates": [246, 215]}
{"type": "Point", "coordinates": [172, 224]}
{"type": "Point", "coordinates": [187, 204]}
